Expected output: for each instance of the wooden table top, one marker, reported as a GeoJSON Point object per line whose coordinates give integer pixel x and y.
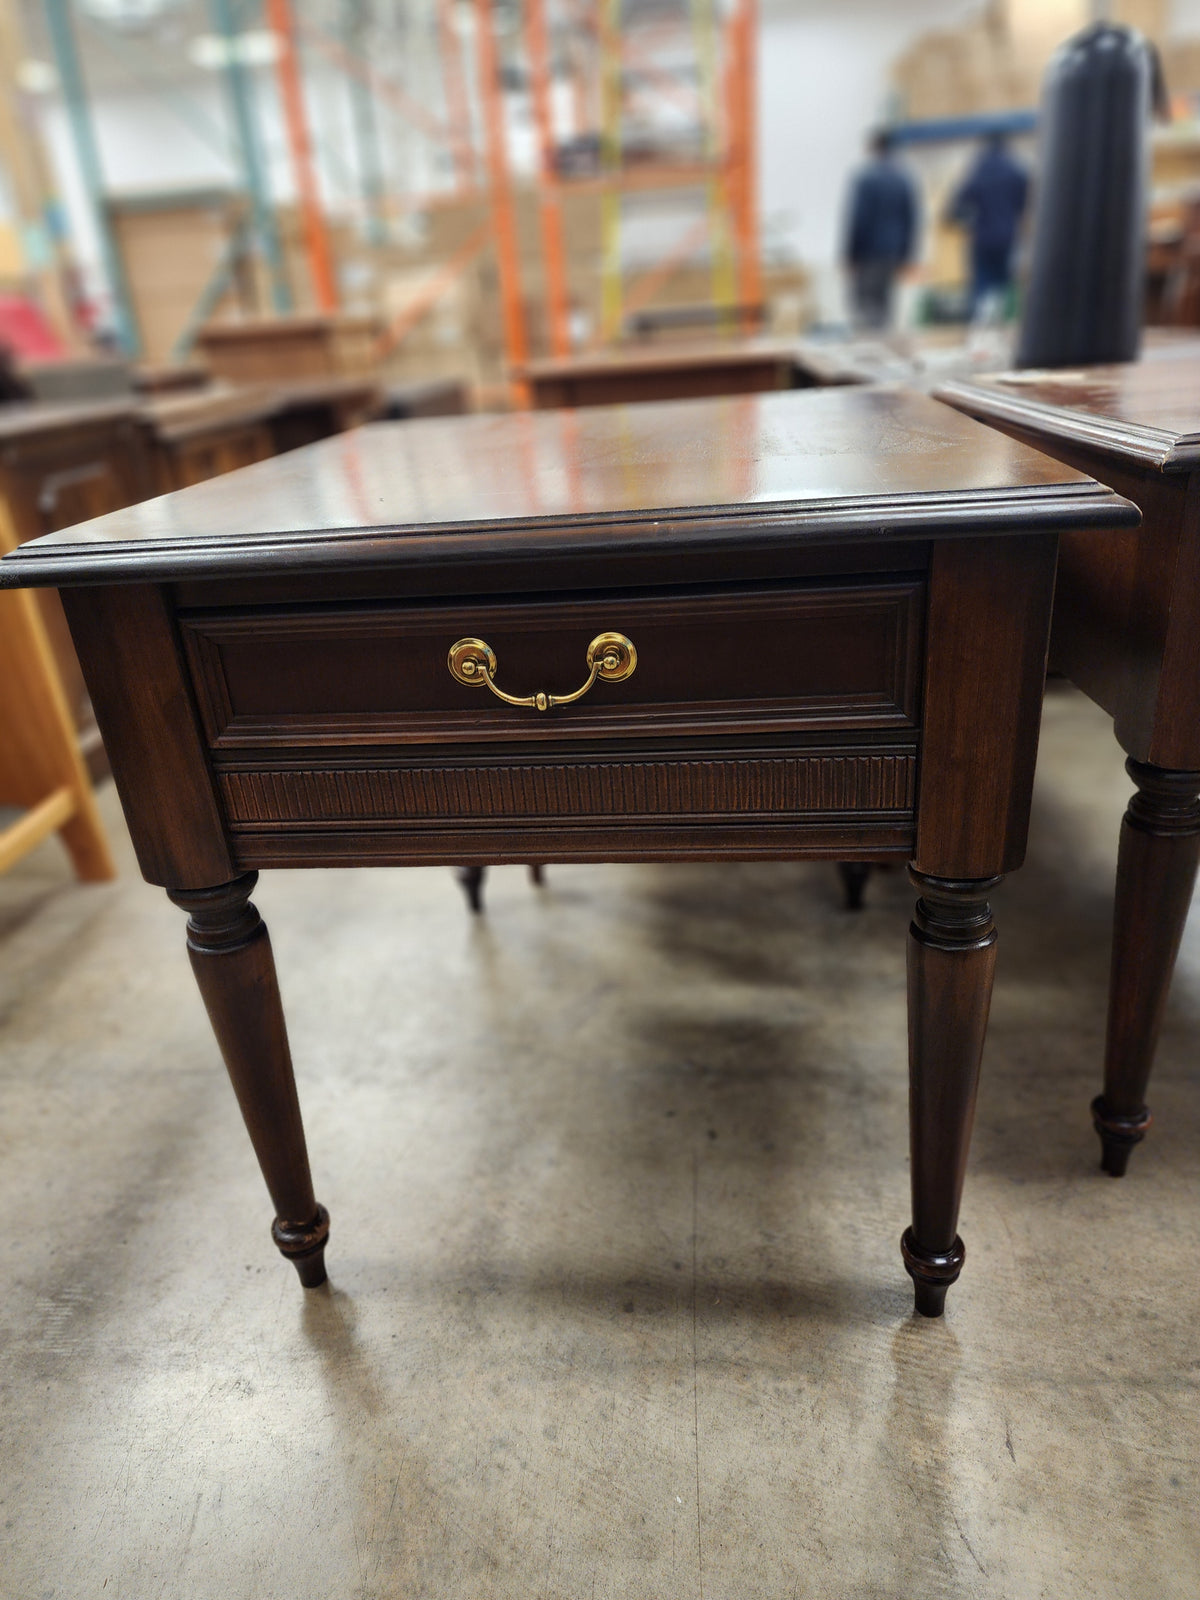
{"type": "Point", "coordinates": [178, 417]}
{"type": "Point", "coordinates": [323, 388]}
{"type": "Point", "coordinates": [674, 357]}
{"type": "Point", "coordinates": [24, 418]}
{"type": "Point", "coordinates": [275, 325]}
{"type": "Point", "coordinates": [824, 466]}
{"type": "Point", "coordinates": [1146, 413]}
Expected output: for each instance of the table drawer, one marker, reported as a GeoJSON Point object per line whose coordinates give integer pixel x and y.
{"type": "Point", "coordinates": [822, 656]}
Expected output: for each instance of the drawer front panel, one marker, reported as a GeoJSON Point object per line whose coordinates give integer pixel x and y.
{"type": "Point", "coordinates": [742, 788]}
{"type": "Point", "coordinates": [821, 656]}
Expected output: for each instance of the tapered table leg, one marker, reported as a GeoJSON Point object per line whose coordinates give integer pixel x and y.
{"type": "Point", "coordinates": [235, 970]}
{"type": "Point", "coordinates": [854, 876]}
{"type": "Point", "coordinates": [470, 881]}
{"type": "Point", "coordinates": [951, 960]}
{"type": "Point", "coordinates": [1156, 872]}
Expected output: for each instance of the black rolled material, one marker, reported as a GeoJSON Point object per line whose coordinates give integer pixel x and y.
{"type": "Point", "coordinates": [1083, 301]}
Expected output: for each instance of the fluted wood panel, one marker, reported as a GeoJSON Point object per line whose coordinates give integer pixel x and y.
{"type": "Point", "coordinates": [799, 785]}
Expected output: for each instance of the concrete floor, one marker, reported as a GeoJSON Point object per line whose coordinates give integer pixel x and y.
{"type": "Point", "coordinates": [617, 1177]}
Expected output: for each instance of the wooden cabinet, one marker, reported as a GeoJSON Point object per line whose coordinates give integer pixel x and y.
{"type": "Point", "coordinates": [266, 349]}
{"type": "Point", "coordinates": [200, 435]}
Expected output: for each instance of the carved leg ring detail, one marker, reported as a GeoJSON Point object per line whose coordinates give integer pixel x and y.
{"type": "Point", "coordinates": [1118, 1135]}
{"type": "Point", "coordinates": [932, 1272]}
{"type": "Point", "coordinates": [304, 1246]}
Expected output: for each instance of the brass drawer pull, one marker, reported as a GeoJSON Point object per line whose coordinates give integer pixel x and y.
{"type": "Point", "coordinates": [610, 656]}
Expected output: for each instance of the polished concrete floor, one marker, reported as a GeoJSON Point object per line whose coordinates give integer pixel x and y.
{"type": "Point", "coordinates": [617, 1176]}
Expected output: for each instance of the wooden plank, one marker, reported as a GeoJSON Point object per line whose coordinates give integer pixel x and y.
{"type": "Point", "coordinates": [24, 835]}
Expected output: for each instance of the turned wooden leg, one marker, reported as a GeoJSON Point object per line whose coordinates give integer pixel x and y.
{"type": "Point", "coordinates": [537, 873]}
{"type": "Point", "coordinates": [951, 959]}
{"type": "Point", "coordinates": [1156, 872]}
{"type": "Point", "coordinates": [235, 970]}
{"type": "Point", "coordinates": [470, 881]}
{"type": "Point", "coordinates": [854, 875]}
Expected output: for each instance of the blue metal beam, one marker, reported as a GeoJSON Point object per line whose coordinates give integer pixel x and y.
{"type": "Point", "coordinates": [942, 130]}
{"type": "Point", "coordinates": [87, 153]}
{"type": "Point", "coordinates": [241, 89]}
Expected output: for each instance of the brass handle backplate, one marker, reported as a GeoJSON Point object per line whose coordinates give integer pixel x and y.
{"type": "Point", "coordinates": [610, 656]}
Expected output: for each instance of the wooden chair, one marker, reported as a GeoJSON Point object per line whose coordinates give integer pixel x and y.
{"type": "Point", "coordinates": [41, 769]}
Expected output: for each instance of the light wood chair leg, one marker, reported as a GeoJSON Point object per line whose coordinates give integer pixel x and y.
{"type": "Point", "coordinates": [41, 769]}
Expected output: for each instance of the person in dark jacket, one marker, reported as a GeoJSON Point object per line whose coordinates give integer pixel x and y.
{"type": "Point", "coordinates": [881, 233]}
{"type": "Point", "coordinates": [990, 204]}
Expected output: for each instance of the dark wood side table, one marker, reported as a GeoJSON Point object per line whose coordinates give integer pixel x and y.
{"type": "Point", "coordinates": [1127, 631]}
{"type": "Point", "coordinates": [198, 434]}
{"type": "Point", "coordinates": [755, 628]}
{"type": "Point", "coordinates": [661, 372]}
{"type": "Point", "coordinates": [307, 409]}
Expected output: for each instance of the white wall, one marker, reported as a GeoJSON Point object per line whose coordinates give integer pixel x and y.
{"type": "Point", "coordinates": [823, 72]}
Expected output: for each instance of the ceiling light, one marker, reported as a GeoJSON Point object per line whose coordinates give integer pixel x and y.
{"type": "Point", "coordinates": [257, 48]}
{"type": "Point", "coordinates": [36, 77]}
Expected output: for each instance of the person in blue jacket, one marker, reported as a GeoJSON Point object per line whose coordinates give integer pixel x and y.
{"type": "Point", "coordinates": [881, 232]}
{"type": "Point", "coordinates": [990, 204]}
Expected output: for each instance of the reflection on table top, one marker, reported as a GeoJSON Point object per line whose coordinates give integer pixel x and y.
{"type": "Point", "coordinates": [1146, 411]}
{"type": "Point", "coordinates": [844, 462]}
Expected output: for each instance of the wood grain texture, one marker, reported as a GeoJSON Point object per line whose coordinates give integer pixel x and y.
{"type": "Point", "coordinates": [796, 786]}
{"type": "Point", "coordinates": [987, 629]}
{"type": "Point", "coordinates": [135, 669]}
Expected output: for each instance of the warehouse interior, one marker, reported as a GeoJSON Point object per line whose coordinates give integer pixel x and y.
{"type": "Point", "coordinates": [615, 1144]}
